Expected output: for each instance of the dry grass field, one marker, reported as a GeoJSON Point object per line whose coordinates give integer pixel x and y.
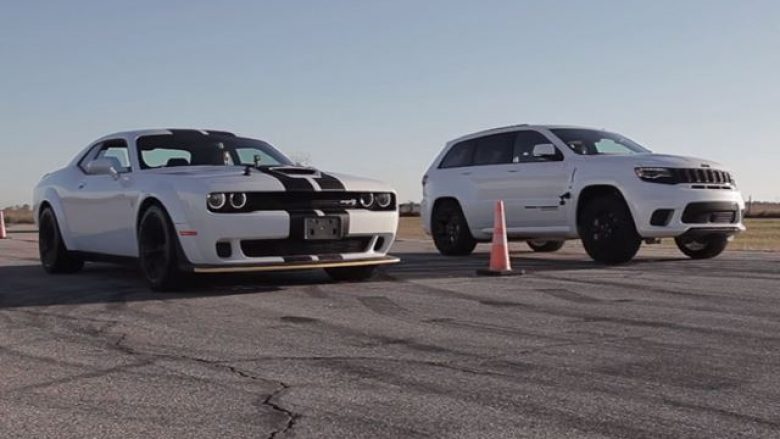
{"type": "Point", "coordinates": [762, 234]}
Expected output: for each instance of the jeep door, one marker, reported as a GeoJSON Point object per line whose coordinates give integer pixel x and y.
{"type": "Point", "coordinates": [540, 184]}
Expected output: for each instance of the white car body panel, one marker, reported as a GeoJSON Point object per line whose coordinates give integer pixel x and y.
{"type": "Point", "coordinates": [532, 191]}
{"type": "Point", "coordinates": [99, 213]}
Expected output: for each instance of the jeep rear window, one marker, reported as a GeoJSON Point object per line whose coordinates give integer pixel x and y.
{"type": "Point", "coordinates": [462, 154]}
{"type": "Point", "coordinates": [597, 142]}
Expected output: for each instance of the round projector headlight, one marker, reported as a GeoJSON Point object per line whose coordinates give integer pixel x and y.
{"type": "Point", "coordinates": [216, 201]}
{"type": "Point", "coordinates": [383, 199]}
{"type": "Point", "coordinates": [366, 200]}
{"type": "Point", "coordinates": [238, 200]}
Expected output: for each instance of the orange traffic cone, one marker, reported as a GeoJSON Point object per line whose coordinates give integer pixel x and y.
{"type": "Point", "coordinates": [499, 250]}
{"type": "Point", "coordinates": [3, 234]}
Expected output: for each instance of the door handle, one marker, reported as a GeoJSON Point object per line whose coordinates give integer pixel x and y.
{"type": "Point", "coordinates": [81, 185]}
{"type": "Point", "coordinates": [465, 173]}
{"type": "Point", "coordinates": [512, 171]}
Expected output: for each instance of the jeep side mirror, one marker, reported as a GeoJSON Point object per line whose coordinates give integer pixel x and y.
{"type": "Point", "coordinates": [104, 166]}
{"type": "Point", "coordinates": [545, 150]}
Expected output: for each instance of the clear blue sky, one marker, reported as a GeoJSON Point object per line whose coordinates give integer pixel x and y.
{"type": "Point", "coordinates": [376, 88]}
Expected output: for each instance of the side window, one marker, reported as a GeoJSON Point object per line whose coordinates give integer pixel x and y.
{"type": "Point", "coordinates": [524, 148]}
{"type": "Point", "coordinates": [116, 149]}
{"type": "Point", "coordinates": [462, 154]}
{"type": "Point", "coordinates": [88, 157]}
{"type": "Point", "coordinates": [495, 149]}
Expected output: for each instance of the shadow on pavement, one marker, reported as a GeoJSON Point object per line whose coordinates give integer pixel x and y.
{"type": "Point", "coordinates": [29, 285]}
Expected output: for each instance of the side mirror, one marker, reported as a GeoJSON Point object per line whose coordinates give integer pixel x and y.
{"type": "Point", "coordinates": [104, 166]}
{"type": "Point", "coordinates": [545, 150]}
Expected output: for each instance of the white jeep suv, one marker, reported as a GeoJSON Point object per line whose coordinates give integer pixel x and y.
{"type": "Point", "coordinates": [561, 182]}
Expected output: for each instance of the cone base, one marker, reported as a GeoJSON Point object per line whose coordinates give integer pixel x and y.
{"type": "Point", "coordinates": [488, 272]}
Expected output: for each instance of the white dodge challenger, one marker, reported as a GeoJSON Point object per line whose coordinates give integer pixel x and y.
{"type": "Point", "coordinates": [195, 201]}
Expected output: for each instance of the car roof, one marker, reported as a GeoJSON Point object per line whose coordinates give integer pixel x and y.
{"type": "Point", "coordinates": [509, 128]}
{"type": "Point", "coordinates": [158, 131]}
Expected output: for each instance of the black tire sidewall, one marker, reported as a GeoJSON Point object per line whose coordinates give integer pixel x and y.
{"type": "Point", "coordinates": [464, 243]}
{"type": "Point", "coordinates": [170, 274]}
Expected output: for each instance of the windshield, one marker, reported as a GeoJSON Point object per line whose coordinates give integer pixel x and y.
{"type": "Point", "coordinates": [193, 148]}
{"type": "Point", "coordinates": [596, 142]}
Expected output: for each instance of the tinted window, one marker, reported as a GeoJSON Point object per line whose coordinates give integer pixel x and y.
{"type": "Point", "coordinates": [524, 147]}
{"type": "Point", "coordinates": [595, 142]}
{"type": "Point", "coordinates": [193, 148]}
{"type": "Point", "coordinates": [461, 154]}
{"type": "Point", "coordinates": [495, 149]}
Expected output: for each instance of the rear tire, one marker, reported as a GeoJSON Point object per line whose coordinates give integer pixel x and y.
{"type": "Point", "coordinates": [608, 232]}
{"type": "Point", "coordinates": [55, 257]}
{"type": "Point", "coordinates": [545, 246]}
{"type": "Point", "coordinates": [450, 230]}
{"type": "Point", "coordinates": [702, 247]}
{"type": "Point", "coordinates": [157, 250]}
{"type": "Point", "coordinates": [351, 274]}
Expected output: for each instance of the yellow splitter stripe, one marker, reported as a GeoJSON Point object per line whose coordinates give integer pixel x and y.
{"type": "Point", "coordinates": [298, 266]}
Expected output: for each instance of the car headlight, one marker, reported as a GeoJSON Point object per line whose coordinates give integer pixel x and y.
{"type": "Point", "coordinates": [237, 200]}
{"type": "Point", "coordinates": [656, 175]}
{"type": "Point", "coordinates": [216, 201]}
{"type": "Point", "coordinates": [383, 199]}
{"type": "Point", "coordinates": [366, 200]}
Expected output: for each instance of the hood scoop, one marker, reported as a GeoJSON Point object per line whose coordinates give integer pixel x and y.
{"type": "Point", "coordinates": [294, 170]}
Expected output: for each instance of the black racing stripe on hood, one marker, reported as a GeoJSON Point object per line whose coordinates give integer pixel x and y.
{"type": "Point", "coordinates": [328, 182]}
{"type": "Point", "coordinates": [291, 184]}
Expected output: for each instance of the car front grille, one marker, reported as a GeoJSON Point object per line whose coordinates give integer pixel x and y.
{"type": "Point", "coordinates": [702, 176]}
{"type": "Point", "coordinates": [306, 201]}
{"type": "Point", "coordinates": [257, 248]}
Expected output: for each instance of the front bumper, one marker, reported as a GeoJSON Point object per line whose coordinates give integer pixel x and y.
{"type": "Point", "coordinates": [244, 234]}
{"type": "Point", "coordinates": [687, 210]}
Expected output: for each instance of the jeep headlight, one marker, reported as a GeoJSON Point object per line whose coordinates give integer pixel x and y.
{"type": "Point", "coordinates": [656, 175]}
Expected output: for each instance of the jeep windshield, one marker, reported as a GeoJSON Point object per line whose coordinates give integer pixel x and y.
{"type": "Point", "coordinates": [596, 142]}
{"type": "Point", "coordinates": [191, 148]}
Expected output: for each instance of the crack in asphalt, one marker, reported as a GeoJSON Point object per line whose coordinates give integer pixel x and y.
{"type": "Point", "coordinates": [268, 401]}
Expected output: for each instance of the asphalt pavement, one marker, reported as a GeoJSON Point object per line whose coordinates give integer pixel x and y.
{"type": "Point", "coordinates": [663, 347]}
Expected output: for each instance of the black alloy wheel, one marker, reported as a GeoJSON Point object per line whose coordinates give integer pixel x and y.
{"type": "Point", "coordinates": [451, 233]}
{"type": "Point", "coordinates": [608, 232]}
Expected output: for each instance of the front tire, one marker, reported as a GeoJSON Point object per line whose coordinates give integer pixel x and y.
{"type": "Point", "coordinates": [541, 246]}
{"type": "Point", "coordinates": [351, 274]}
{"type": "Point", "coordinates": [450, 230]}
{"type": "Point", "coordinates": [702, 247]}
{"type": "Point", "coordinates": [157, 250]}
{"type": "Point", "coordinates": [55, 257]}
{"type": "Point", "coordinates": [607, 231]}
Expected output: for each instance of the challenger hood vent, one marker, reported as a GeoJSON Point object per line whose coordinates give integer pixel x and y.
{"type": "Point", "coordinates": [293, 170]}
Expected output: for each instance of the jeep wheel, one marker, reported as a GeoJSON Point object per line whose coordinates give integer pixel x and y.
{"type": "Point", "coordinates": [702, 247]}
{"type": "Point", "coordinates": [351, 274]}
{"type": "Point", "coordinates": [157, 250]}
{"type": "Point", "coordinates": [541, 246]}
{"type": "Point", "coordinates": [451, 233]}
{"type": "Point", "coordinates": [55, 257]}
{"type": "Point", "coordinates": [608, 232]}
